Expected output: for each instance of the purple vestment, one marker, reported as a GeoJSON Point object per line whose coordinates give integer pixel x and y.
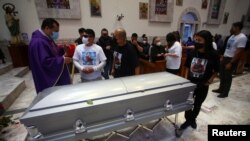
{"type": "Point", "coordinates": [47, 62]}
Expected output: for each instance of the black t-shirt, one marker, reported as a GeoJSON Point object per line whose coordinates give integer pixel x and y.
{"type": "Point", "coordinates": [125, 60]}
{"type": "Point", "coordinates": [144, 54]}
{"type": "Point", "coordinates": [78, 41]}
{"type": "Point", "coordinates": [135, 48]}
{"type": "Point", "coordinates": [202, 66]}
{"type": "Point", "coordinates": [106, 41]}
{"type": "Point", "coordinates": [247, 48]}
{"type": "Point", "coordinates": [155, 50]}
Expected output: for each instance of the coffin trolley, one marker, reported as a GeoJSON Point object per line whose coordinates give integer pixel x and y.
{"type": "Point", "coordinates": [86, 110]}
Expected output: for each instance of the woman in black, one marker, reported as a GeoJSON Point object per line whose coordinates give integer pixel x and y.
{"type": "Point", "coordinates": [157, 50]}
{"type": "Point", "coordinates": [202, 66]}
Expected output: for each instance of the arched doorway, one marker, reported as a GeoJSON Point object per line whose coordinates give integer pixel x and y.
{"type": "Point", "coordinates": [189, 23]}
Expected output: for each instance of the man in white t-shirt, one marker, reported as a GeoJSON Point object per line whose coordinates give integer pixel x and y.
{"type": "Point", "coordinates": [235, 46]}
{"type": "Point", "coordinates": [89, 58]}
{"type": "Point", "coordinates": [173, 57]}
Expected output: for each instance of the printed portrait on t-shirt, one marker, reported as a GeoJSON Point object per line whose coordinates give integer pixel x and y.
{"type": "Point", "coordinates": [89, 58]}
{"type": "Point", "coordinates": [198, 67]}
{"type": "Point", "coordinates": [117, 59]}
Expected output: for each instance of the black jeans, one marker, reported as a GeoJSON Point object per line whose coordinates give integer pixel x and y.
{"type": "Point", "coordinates": [225, 76]}
{"type": "Point", "coordinates": [107, 68]}
{"type": "Point", "coordinates": [200, 94]}
{"type": "Point", "coordinates": [172, 71]}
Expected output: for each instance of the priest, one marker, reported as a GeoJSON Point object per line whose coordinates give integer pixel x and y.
{"type": "Point", "coordinates": [47, 60]}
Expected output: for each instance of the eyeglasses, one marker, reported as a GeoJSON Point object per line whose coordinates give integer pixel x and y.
{"type": "Point", "coordinates": [85, 36]}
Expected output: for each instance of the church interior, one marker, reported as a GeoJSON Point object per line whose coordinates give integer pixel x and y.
{"type": "Point", "coordinates": [137, 70]}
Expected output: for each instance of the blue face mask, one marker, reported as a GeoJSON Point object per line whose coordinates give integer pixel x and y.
{"type": "Point", "coordinates": [55, 35]}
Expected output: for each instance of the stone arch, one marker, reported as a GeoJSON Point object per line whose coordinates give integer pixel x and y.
{"type": "Point", "coordinates": [196, 21]}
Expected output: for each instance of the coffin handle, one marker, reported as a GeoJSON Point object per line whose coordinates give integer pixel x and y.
{"type": "Point", "coordinates": [80, 127]}
{"type": "Point", "coordinates": [129, 116]}
{"type": "Point", "coordinates": [33, 132]}
{"type": "Point", "coordinates": [190, 99]}
{"type": "Point", "coordinates": [168, 105]}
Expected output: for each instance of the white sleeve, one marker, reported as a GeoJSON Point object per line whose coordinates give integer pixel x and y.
{"type": "Point", "coordinates": [102, 58]}
{"type": "Point", "coordinates": [179, 51]}
{"type": "Point", "coordinates": [102, 55]}
{"type": "Point", "coordinates": [241, 43]}
{"type": "Point", "coordinates": [214, 46]}
{"type": "Point", "coordinates": [76, 59]}
{"type": "Point", "coordinates": [100, 66]}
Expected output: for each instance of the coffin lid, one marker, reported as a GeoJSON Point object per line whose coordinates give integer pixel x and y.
{"type": "Point", "coordinates": [71, 94]}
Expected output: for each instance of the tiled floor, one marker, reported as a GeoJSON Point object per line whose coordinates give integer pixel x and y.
{"type": "Point", "coordinates": [231, 110]}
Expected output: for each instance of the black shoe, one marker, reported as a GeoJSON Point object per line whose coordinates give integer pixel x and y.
{"type": "Point", "coordinates": [194, 124]}
{"type": "Point", "coordinates": [217, 91]}
{"type": "Point", "coordinates": [178, 132]}
{"type": "Point", "coordinates": [185, 125]}
{"type": "Point", "coordinates": [222, 96]}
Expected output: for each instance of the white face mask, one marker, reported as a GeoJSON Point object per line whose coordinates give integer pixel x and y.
{"type": "Point", "coordinates": [84, 40]}
{"type": "Point", "coordinates": [158, 43]}
{"type": "Point", "coordinates": [144, 42]}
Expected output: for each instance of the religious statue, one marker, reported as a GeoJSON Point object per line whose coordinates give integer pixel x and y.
{"type": "Point", "coordinates": [12, 22]}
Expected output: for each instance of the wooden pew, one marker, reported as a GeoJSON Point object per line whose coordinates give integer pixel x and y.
{"type": "Point", "coordinates": [151, 67]}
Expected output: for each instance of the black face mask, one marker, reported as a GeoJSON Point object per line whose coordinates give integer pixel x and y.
{"type": "Point", "coordinates": [198, 45]}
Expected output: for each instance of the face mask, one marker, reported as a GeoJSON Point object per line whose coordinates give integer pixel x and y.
{"type": "Point", "coordinates": [84, 40]}
{"type": "Point", "coordinates": [144, 42]}
{"type": "Point", "coordinates": [198, 45]}
{"type": "Point", "coordinates": [55, 35]}
{"type": "Point", "coordinates": [158, 43]}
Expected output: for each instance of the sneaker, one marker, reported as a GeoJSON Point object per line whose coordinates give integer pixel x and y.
{"type": "Point", "coordinates": [217, 91]}
{"type": "Point", "coordinates": [185, 125]}
{"type": "Point", "coordinates": [222, 96]}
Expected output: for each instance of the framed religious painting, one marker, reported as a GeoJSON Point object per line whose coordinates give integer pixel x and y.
{"type": "Point", "coordinates": [179, 2]}
{"type": "Point", "coordinates": [58, 9]}
{"type": "Point", "coordinates": [161, 10]}
{"type": "Point", "coordinates": [247, 17]}
{"type": "Point", "coordinates": [225, 18]}
{"type": "Point", "coordinates": [215, 12]}
{"type": "Point", "coordinates": [204, 4]}
{"type": "Point", "coordinates": [143, 8]}
{"type": "Point", "coordinates": [95, 8]}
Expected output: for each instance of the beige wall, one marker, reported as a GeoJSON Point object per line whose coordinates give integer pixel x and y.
{"type": "Point", "coordinates": [110, 8]}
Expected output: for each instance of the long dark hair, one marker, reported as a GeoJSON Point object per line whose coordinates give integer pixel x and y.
{"type": "Point", "coordinates": [170, 37]}
{"type": "Point", "coordinates": [154, 40]}
{"type": "Point", "coordinates": [207, 36]}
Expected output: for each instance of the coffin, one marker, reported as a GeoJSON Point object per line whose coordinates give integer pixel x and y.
{"type": "Point", "coordinates": [86, 110]}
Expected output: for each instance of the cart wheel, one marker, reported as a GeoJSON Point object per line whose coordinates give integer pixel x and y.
{"type": "Point", "coordinates": [178, 132]}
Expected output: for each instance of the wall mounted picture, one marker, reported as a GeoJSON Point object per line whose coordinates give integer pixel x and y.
{"type": "Point", "coordinates": [225, 19]}
{"type": "Point", "coordinates": [216, 10]}
{"type": "Point", "coordinates": [204, 4]}
{"type": "Point", "coordinates": [58, 9]}
{"type": "Point", "coordinates": [59, 4]}
{"type": "Point", "coordinates": [161, 10]}
{"type": "Point", "coordinates": [179, 2]}
{"type": "Point", "coordinates": [95, 8]}
{"type": "Point", "coordinates": [143, 8]}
